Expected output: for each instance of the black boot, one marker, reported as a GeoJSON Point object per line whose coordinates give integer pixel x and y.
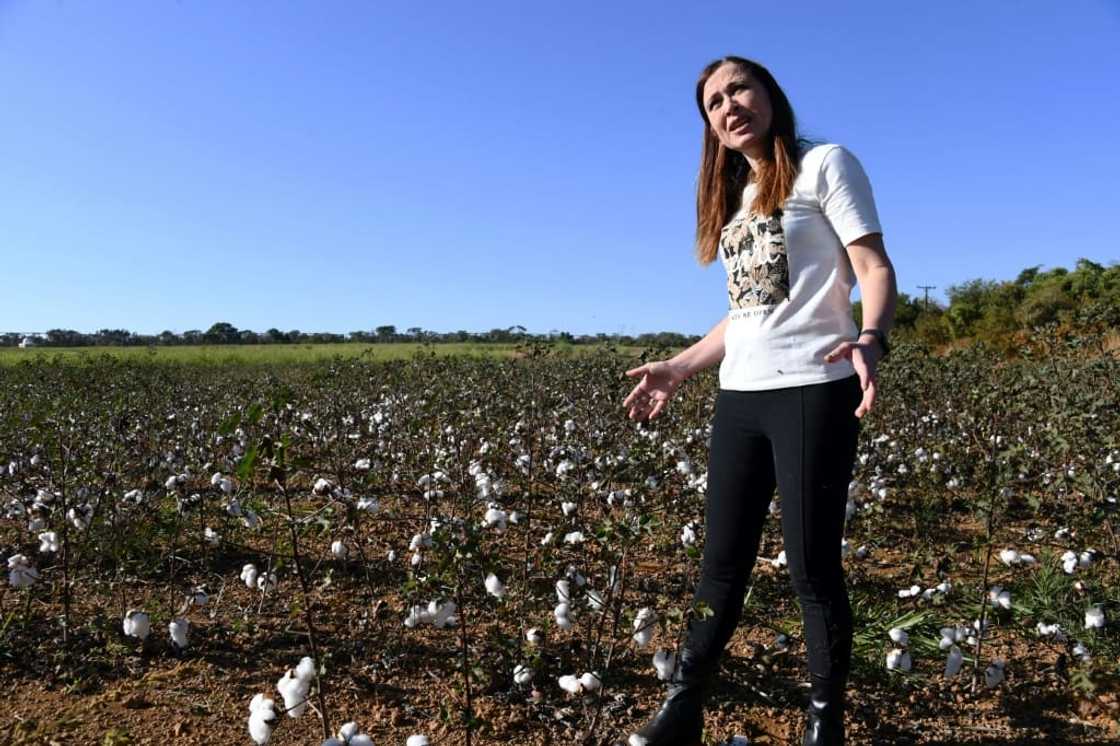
{"type": "Point", "coordinates": [824, 721]}
{"type": "Point", "coordinates": [680, 721]}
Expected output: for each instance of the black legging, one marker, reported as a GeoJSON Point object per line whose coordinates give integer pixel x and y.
{"type": "Point", "coordinates": [803, 440]}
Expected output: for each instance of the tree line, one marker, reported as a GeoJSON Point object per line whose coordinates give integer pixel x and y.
{"type": "Point", "coordinates": [1086, 298]}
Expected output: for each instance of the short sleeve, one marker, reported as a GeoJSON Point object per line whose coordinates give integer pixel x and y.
{"type": "Point", "coordinates": [844, 192]}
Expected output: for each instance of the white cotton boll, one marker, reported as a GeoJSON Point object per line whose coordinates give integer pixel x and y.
{"type": "Point", "coordinates": [1085, 558]}
{"type": "Point", "coordinates": [48, 542]}
{"type": "Point", "coordinates": [688, 534]}
{"type": "Point", "coordinates": [575, 537]}
{"type": "Point", "coordinates": [899, 635]}
{"type": "Point", "coordinates": [570, 684]}
{"type": "Point", "coordinates": [522, 674]}
{"type": "Point", "coordinates": [369, 504]}
{"type": "Point", "coordinates": [911, 591]}
{"type": "Point", "coordinates": [1081, 651]}
{"type": "Point", "coordinates": [562, 612]}
{"type": "Point", "coordinates": [564, 468]}
{"type": "Point", "coordinates": [20, 572]}
{"type": "Point", "coordinates": [862, 552]}
{"type": "Point", "coordinates": [179, 629]}
{"type": "Point", "coordinates": [198, 597]}
{"type": "Point", "coordinates": [898, 660]}
{"type": "Point", "coordinates": [780, 560]}
{"type": "Point", "coordinates": [1008, 557]}
{"type": "Point", "coordinates": [644, 625]}
{"type": "Point", "coordinates": [211, 537]}
{"type": "Point", "coordinates": [250, 519]}
{"type": "Point", "coordinates": [568, 507]}
{"type": "Point", "coordinates": [595, 600]}
{"type": "Point", "coordinates": [79, 516]}
{"type": "Point", "coordinates": [1026, 559]}
{"type": "Point", "coordinates": [1094, 617]}
{"type": "Point", "coordinates": [339, 550]}
{"type": "Point", "coordinates": [993, 674]}
{"type": "Point", "coordinates": [361, 739]}
{"type": "Point", "coordinates": [663, 663]}
{"type": "Point", "coordinates": [547, 539]}
{"type": "Point", "coordinates": [999, 598]}
{"type": "Point", "coordinates": [215, 479]}
{"type": "Point", "coordinates": [321, 487]}
{"type": "Point", "coordinates": [563, 591]}
{"type": "Point", "coordinates": [137, 624]}
{"type": "Point", "coordinates": [249, 576]}
{"type": "Point", "coordinates": [590, 681]}
{"type": "Point", "coordinates": [496, 518]}
{"type": "Point", "coordinates": [944, 586]}
{"type": "Point", "coordinates": [362, 464]}
{"type": "Point", "coordinates": [417, 741]}
{"type": "Point", "coordinates": [773, 507]}
{"type": "Point", "coordinates": [333, 742]}
{"type": "Point", "coordinates": [534, 635]}
{"type": "Point", "coordinates": [953, 662]}
{"type": "Point", "coordinates": [444, 615]}
{"type": "Point", "coordinates": [262, 719]}
{"type": "Point", "coordinates": [36, 524]}
{"type": "Point", "coordinates": [294, 692]}
{"type": "Point", "coordinates": [1061, 533]}
{"type": "Point", "coordinates": [494, 586]}
{"type": "Point", "coordinates": [172, 482]}
{"type": "Point", "coordinates": [416, 614]}
{"type": "Point", "coordinates": [415, 561]}
{"type": "Point", "coordinates": [305, 671]}
{"type": "Point", "coordinates": [1050, 630]}
{"type": "Point", "coordinates": [267, 581]}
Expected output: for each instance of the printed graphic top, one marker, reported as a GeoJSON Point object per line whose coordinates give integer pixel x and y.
{"type": "Point", "coordinates": [789, 278]}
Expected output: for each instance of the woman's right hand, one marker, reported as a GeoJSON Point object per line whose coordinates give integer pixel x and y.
{"type": "Point", "coordinates": [660, 380]}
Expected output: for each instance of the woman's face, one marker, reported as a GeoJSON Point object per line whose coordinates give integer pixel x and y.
{"type": "Point", "coordinates": [738, 109]}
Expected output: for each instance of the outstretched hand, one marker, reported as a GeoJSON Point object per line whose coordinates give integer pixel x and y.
{"type": "Point", "coordinates": [660, 380]}
{"type": "Point", "coordinates": [865, 357]}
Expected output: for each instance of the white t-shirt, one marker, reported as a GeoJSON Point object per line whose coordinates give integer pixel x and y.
{"type": "Point", "coordinates": [789, 278]}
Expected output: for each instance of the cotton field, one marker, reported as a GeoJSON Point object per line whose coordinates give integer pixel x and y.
{"type": "Point", "coordinates": [468, 550]}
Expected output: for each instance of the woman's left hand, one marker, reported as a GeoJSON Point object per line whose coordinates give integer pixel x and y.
{"type": "Point", "coordinates": [865, 357]}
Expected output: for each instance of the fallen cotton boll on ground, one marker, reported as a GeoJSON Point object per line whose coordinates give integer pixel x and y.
{"type": "Point", "coordinates": [522, 674]}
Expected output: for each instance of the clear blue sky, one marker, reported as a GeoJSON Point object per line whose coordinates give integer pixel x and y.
{"type": "Point", "coordinates": [334, 166]}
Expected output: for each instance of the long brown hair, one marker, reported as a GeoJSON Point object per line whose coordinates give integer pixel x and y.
{"type": "Point", "coordinates": [724, 172]}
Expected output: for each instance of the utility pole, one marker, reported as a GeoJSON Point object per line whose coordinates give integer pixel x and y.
{"type": "Point", "coordinates": [927, 288]}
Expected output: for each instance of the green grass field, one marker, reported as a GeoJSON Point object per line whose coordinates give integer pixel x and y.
{"type": "Point", "coordinates": [278, 354]}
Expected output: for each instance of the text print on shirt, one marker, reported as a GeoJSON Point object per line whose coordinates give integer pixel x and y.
{"type": "Point", "coordinates": [754, 251]}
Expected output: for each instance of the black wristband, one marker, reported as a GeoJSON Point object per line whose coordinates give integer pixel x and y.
{"type": "Point", "coordinates": [882, 338]}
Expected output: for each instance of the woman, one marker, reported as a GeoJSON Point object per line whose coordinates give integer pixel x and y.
{"type": "Point", "coordinates": [794, 225]}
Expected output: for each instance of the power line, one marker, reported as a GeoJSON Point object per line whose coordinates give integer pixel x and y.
{"type": "Point", "coordinates": [927, 288]}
